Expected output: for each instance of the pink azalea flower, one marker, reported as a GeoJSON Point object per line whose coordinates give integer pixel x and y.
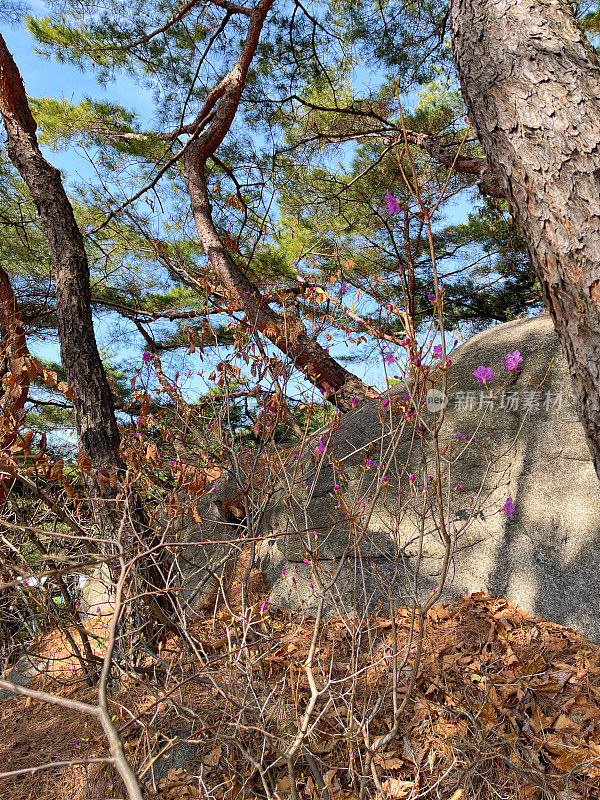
{"type": "Point", "coordinates": [438, 351]}
{"type": "Point", "coordinates": [512, 360]}
{"type": "Point", "coordinates": [431, 298]}
{"type": "Point", "coordinates": [344, 287]}
{"type": "Point", "coordinates": [320, 447]}
{"type": "Point", "coordinates": [146, 357]}
{"type": "Point", "coordinates": [483, 375]}
{"type": "Point", "coordinates": [393, 206]}
{"type": "Point", "coordinates": [509, 508]}
{"type": "Point", "coordinates": [389, 357]}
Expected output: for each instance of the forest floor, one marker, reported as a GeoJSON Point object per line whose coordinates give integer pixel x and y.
{"type": "Point", "coordinates": [507, 705]}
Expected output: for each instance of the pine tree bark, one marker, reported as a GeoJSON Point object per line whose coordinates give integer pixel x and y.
{"type": "Point", "coordinates": [92, 398]}
{"type": "Point", "coordinates": [531, 83]}
{"type": "Point", "coordinates": [16, 360]}
{"type": "Point", "coordinates": [16, 357]}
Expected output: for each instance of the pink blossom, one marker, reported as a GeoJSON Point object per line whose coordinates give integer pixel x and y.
{"type": "Point", "coordinates": [483, 375]}
{"type": "Point", "coordinates": [146, 357]}
{"type": "Point", "coordinates": [344, 287]}
{"type": "Point", "coordinates": [320, 447]}
{"type": "Point", "coordinates": [509, 508]}
{"type": "Point", "coordinates": [512, 360]}
{"type": "Point", "coordinates": [389, 357]}
{"type": "Point", "coordinates": [393, 206]}
{"type": "Point", "coordinates": [438, 351]}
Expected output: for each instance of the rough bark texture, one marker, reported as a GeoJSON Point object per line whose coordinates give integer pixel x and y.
{"type": "Point", "coordinates": [286, 333]}
{"type": "Point", "coordinates": [92, 397]}
{"type": "Point", "coordinates": [16, 360]}
{"type": "Point", "coordinates": [16, 354]}
{"type": "Point", "coordinates": [531, 83]}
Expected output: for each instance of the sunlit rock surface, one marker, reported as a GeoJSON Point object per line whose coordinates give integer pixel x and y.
{"type": "Point", "coordinates": [527, 444]}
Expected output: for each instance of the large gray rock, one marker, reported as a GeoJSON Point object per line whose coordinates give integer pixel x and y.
{"type": "Point", "coordinates": [24, 671]}
{"type": "Point", "coordinates": [204, 540]}
{"type": "Point", "coordinates": [209, 541]}
{"type": "Point", "coordinates": [528, 444]}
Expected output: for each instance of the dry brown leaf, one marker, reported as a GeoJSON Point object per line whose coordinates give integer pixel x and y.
{"type": "Point", "coordinates": [391, 763]}
{"type": "Point", "coordinates": [151, 452]}
{"type": "Point", "coordinates": [563, 723]}
{"type": "Point", "coordinates": [213, 758]}
{"type": "Point", "coordinates": [539, 721]}
{"type": "Point", "coordinates": [325, 745]}
{"type": "Point", "coordinates": [393, 787]}
{"type": "Point", "coordinates": [535, 667]}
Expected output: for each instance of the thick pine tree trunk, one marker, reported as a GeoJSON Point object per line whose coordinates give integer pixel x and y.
{"type": "Point", "coordinates": [531, 83]}
{"type": "Point", "coordinates": [91, 394]}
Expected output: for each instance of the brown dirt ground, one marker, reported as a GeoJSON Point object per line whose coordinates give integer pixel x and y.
{"type": "Point", "coordinates": [505, 702]}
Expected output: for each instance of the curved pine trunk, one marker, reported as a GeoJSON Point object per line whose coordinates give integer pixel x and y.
{"type": "Point", "coordinates": [287, 333]}
{"type": "Point", "coordinates": [531, 83]}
